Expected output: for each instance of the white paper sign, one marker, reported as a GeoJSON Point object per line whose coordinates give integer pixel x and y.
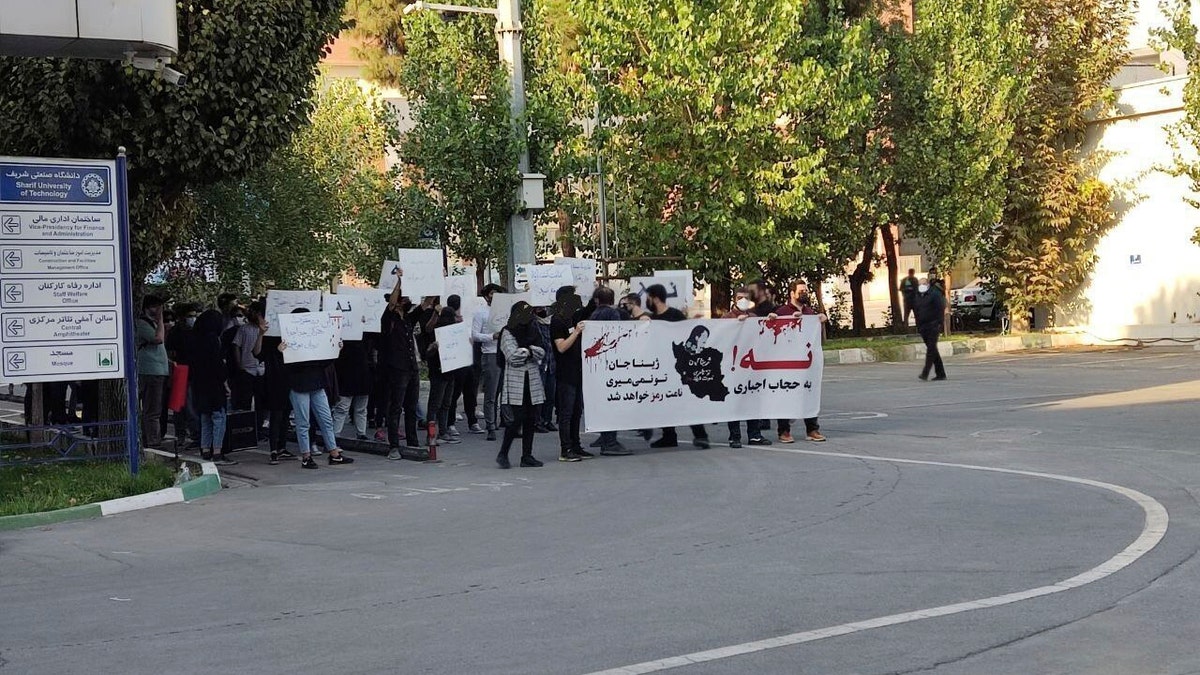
{"type": "Point", "coordinates": [583, 275]}
{"type": "Point", "coordinates": [676, 295]}
{"type": "Point", "coordinates": [502, 304]}
{"type": "Point", "coordinates": [544, 282]}
{"type": "Point", "coordinates": [347, 309]}
{"type": "Point", "coordinates": [283, 302]}
{"type": "Point", "coordinates": [464, 287]}
{"type": "Point", "coordinates": [310, 336]}
{"type": "Point", "coordinates": [387, 275]}
{"type": "Point", "coordinates": [423, 273]}
{"type": "Point", "coordinates": [372, 302]}
{"type": "Point", "coordinates": [700, 372]}
{"type": "Point", "coordinates": [685, 278]}
{"type": "Point", "coordinates": [454, 346]}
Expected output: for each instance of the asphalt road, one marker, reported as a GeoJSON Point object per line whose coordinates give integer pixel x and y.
{"type": "Point", "coordinates": [398, 567]}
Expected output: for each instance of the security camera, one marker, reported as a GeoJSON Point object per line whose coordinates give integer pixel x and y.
{"type": "Point", "coordinates": [174, 77]}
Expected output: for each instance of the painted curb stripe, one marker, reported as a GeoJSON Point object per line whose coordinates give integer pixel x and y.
{"type": "Point", "coordinates": [193, 489]}
{"type": "Point", "coordinates": [169, 495]}
{"type": "Point", "coordinates": [50, 517]}
{"type": "Point", "coordinates": [1153, 531]}
{"type": "Point", "coordinates": [200, 487]}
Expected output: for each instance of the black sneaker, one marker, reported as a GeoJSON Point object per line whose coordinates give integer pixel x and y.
{"type": "Point", "coordinates": [664, 443]}
{"type": "Point", "coordinates": [206, 456]}
{"type": "Point", "coordinates": [530, 461]}
{"type": "Point", "coordinates": [340, 458]}
{"type": "Point", "coordinates": [362, 437]}
{"type": "Point", "coordinates": [923, 378]}
{"type": "Point", "coordinates": [224, 460]}
{"type": "Point", "coordinates": [503, 462]}
{"type": "Point", "coordinates": [646, 434]}
{"type": "Point", "coordinates": [568, 457]}
{"type": "Point", "coordinates": [274, 459]}
{"type": "Point", "coordinates": [595, 443]}
{"type": "Point", "coordinates": [939, 378]}
{"type": "Point", "coordinates": [616, 450]}
{"type": "Point", "coordinates": [550, 426]}
{"type": "Point", "coordinates": [491, 434]}
{"type": "Point", "coordinates": [701, 443]}
{"type": "Point", "coordinates": [584, 453]}
{"type": "Point", "coordinates": [286, 454]}
{"type": "Point", "coordinates": [758, 441]}
{"type": "Point", "coordinates": [309, 463]}
{"type": "Point", "coordinates": [735, 443]}
{"type": "Point", "coordinates": [541, 429]}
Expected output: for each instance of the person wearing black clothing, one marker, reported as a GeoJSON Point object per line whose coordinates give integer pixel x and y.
{"type": "Point", "coordinates": [276, 398]}
{"type": "Point", "coordinates": [307, 381]}
{"type": "Point", "coordinates": [565, 329]}
{"type": "Point", "coordinates": [209, 385]}
{"type": "Point", "coordinates": [441, 385]}
{"type": "Point", "coordinates": [930, 306]}
{"type": "Point", "coordinates": [908, 292]}
{"type": "Point", "coordinates": [354, 385]}
{"type": "Point", "coordinates": [466, 383]}
{"type": "Point", "coordinates": [179, 351]}
{"type": "Point", "coordinates": [602, 299]}
{"type": "Point", "coordinates": [398, 354]}
{"type": "Point", "coordinates": [656, 300]}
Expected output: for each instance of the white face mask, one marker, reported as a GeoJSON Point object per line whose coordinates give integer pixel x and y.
{"type": "Point", "coordinates": [744, 304]}
{"type": "Point", "coordinates": [241, 321]}
{"type": "Point", "coordinates": [923, 288]}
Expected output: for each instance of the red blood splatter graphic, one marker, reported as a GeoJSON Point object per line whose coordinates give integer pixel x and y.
{"type": "Point", "coordinates": [602, 346]}
{"type": "Point", "coordinates": [778, 326]}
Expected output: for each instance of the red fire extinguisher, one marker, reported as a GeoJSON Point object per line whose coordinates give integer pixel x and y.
{"type": "Point", "coordinates": [432, 431]}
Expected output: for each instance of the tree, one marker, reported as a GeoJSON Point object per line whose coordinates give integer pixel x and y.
{"type": "Point", "coordinates": [1182, 34]}
{"type": "Point", "coordinates": [1043, 246]}
{"type": "Point", "coordinates": [715, 145]}
{"type": "Point", "coordinates": [957, 87]}
{"type": "Point", "coordinates": [250, 66]}
{"type": "Point", "coordinates": [462, 152]}
{"type": "Point", "coordinates": [321, 205]}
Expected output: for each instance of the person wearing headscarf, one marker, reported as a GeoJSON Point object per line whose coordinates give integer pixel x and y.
{"type": "Point", "coordinates": [522, 391]}
{"type": "Point", "coordinates": [209, 385]}
{"type": "Point", "coordinates": [466, 385]}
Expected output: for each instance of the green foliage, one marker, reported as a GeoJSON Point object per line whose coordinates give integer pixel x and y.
{"type": "Point", "coordinates": [1056, 208]}
{"type": "Point", "coordinates": [47, 487]}
{"type": "Point", "coordinates": [250, 66]}
{"type": "Point", "coordinates": [463, 150]}
{"type": "Point", "coordinates": [1182, 34]}
{"type": "Point", "coordinates": [723, 108]}
{"type": "Point", "coordinates": [957, 86]}
{"type": "Point", "coordinates": [321, 205]}
{"type": "Point", "coordinates": [380, 23]}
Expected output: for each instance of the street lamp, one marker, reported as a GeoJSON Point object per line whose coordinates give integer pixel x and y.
{"type": "Point", "coordinates": [530, 194]}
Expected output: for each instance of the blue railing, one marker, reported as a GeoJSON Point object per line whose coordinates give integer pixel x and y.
{"type": "Point", "coordinates": [72, 443]}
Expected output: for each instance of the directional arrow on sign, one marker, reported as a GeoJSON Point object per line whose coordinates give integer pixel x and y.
{"type": "Point", "coordinates": [16, 360]}
{"type": "Point", "coordinates": [12, 258]}
{"type": "Point", "coordinates": [11, 225]}
{"type": "Point", "coordinates": [14, 293]}
{"type": "Point", "coordinates": [14, 328]}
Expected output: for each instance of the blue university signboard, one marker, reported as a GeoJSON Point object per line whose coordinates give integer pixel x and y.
{"type": "Point", "coordinates": [63, 278]}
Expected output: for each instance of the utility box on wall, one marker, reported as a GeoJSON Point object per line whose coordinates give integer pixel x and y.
{"type": "Point", "coordinates": [96, 29]}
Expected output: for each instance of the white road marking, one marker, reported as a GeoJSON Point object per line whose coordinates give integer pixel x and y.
{"type": "Point", "coordinates": [1153, 531]}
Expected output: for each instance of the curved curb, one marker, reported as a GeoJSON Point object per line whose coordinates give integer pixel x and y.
{"type": "Point", "coordinates": [209, 482]}
{"type": "Point", "coordinates": [1153, 531]}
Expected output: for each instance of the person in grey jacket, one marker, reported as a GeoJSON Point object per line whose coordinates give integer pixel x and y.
{"type": "Point", "coordinates": [522, 393]}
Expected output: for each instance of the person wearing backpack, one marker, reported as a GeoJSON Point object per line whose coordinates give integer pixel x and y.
{"type": "Point", "coordinates": [153, 368]}
{"type": "Point", "coordinates": [522, 393]}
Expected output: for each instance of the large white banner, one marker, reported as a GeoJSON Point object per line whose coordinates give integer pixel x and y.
{"type": "Point", "coordinates": [424, 274]}
{"type": "Point", "coordinates": [283, 302]}
{"type": "Point", "coordinates": [310, 336]}
{"type": "Point", "coordinates": [659, 373]}
{"type": "Point", "coordinates": [454, 346]}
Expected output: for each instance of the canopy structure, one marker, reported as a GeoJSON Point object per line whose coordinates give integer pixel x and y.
{"type": "Point", "coordinates": [96, 29]}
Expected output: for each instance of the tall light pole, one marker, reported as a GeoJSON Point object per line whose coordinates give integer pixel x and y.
{"type": "Point", "coordinates": [530, 195]}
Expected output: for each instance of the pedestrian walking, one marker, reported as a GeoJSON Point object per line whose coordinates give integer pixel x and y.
{"type": "Point", "coordinates": [908, 292]}
{"type": "Point", "coordinates": [522, 391]}
{"type": "Point", "coordinates": [930, 307]}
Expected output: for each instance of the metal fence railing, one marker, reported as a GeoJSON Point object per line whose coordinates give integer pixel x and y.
{"type": "Point", "coordinates": [74, 443]}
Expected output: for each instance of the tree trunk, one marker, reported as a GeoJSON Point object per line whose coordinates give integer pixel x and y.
{"type": "Point", "coordinates": [720, 297]}
{"type": "Point", "coordinates": [893, 267]}
{"type": "Point", "coordinates": [861, 275]}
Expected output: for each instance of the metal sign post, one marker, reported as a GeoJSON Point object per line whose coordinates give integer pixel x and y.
{"type": "Point", "coordinates": [66, 301]}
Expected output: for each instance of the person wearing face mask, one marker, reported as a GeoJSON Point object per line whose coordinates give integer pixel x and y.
{"type": "Point", "coordinates": [801, 305]}
{"type": "Point", "coordinates": [565, 330]}
{"type": "Point", "coordinates": [152, 367]}
{"type": "Point", "coordinates": [398, 353]}
{"type": "Point", "coordinates": [180, 348]}
{"type": "Point", "coordinates": [930, 307]}
{"type": "Point", "coordinates": [522, 391]}
{"type": "Point", "coordinates": [248, 370]}
{"type": "Point", "coordinates": [656, 300]}
{"type": "Point", "coordinates": [742, 309]}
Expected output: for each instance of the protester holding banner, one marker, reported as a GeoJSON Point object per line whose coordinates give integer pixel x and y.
{"type": "Point", "coordinates": [603, 298]}
{"type": "Point", "coordinates": [522, 391]}
{"type": "Point", "coordinates": [801, 306]}
{"type": "Point", "coordinates": [209, 386]}
{"type": "Point", "coordinates": [568, 356]}
{"type": "Point", "coordinates": [466, 382]}
{"type": "Point", "coordinates": [742, 309]}
{"type": "Point", "coordinates": [631, 307]}
{"type": "Point", "coordinates": [656, 299]}
{"type": "Point", "coordinates": [490, 369]}
{"type": "Point", "coordinates": [276, 398]}
{"type": "Point", "coordinates": [309, 400]}
{"type": "Point", "coordinates": [398, 353]}
{"type": "Point", "coordinates": [441, 385]}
